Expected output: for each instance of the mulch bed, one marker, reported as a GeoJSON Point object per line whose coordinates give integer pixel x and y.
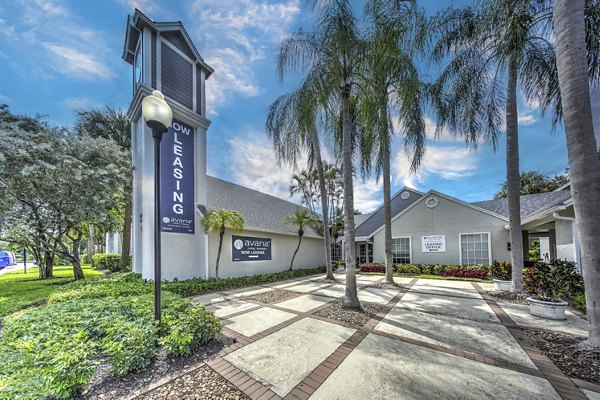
{"type": "Point", "coordinates": [104, 386]}
{"type": "Point", "coordinates": [336, 311]}
{"type": "Point", "coordinates": [203, 383]}
{"type": "Point", "coordinates": [568, 353]}
{"type": "Point", "coordinates": [273, 296]}
{"type": "Point", "coordinates": [387, 286]}
{"type": "Point", "coordinates": [509, 297]}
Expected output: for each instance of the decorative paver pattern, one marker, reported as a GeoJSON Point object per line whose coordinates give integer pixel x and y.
{"type": "Point", "coordinates": [431, 339]}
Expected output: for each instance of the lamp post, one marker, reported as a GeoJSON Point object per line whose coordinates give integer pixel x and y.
{"type": "Point", "coordinates": [158, 116]}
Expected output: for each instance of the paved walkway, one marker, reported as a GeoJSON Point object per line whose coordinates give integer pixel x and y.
{"type": "Point", "coordinates": [432, 339]}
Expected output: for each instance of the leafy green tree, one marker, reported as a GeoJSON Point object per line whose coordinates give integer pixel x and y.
{"type": "Point", "coordinates": [113, 124]}
{"type": "Point", "coordinates": [494, 47]}
{"type": "Point", "coordinates": [391, 87]}
{"type": "Point", "coordinates": [301, 218]}
{"type": "Point", "coordinates": [331, 54]}
{"type": "Point", "coordinates": [573, 65]}
{"type": "Point", "coordinates": [304, 182]}
{"type": "Point", "coordinates": [532, 182]}
{"type": "Point", "coordinates": [57, 182]}
{"type": "Point", "coordinates": [218, 221]}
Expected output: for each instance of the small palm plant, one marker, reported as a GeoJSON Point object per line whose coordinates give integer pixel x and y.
{"type": "Point", "coordinates": [218, 221]}
{"type": "Point", "coordinates": [300, 218]}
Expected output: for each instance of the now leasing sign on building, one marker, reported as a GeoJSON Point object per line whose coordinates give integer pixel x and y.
{"type": "Point", "coordinates": [246, 248]}
{"type": "Point", "coordinates": [433, 244]}
{"type": "Point", "coordinates": [177, 179]}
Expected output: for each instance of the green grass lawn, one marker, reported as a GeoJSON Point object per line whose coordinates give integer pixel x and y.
{"type": "Point", "coordinates": [18, 289]}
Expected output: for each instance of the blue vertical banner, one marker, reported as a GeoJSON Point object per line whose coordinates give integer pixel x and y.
{"type": "Point", "coordinates": [177, 179]}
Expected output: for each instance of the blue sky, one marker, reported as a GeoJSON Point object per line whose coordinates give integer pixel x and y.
{"type": "Point", "coordinates": [58, 56]}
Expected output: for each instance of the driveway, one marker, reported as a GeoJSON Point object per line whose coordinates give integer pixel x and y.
{"type": "Point", "coordinates": [429, 339]}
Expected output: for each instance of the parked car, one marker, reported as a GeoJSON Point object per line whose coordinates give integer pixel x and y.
{"type": "Point", "coordinates": [7, 258]}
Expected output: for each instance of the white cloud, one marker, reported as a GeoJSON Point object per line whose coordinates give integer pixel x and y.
{"type": "Point", "coordinates": [78, 103]}
{"type": "Point", "coordinates": [368, 194]}
{"type": "Point", "coordinates": [253, 164]}
{"type": "Point", "coordinates": [71, 61]}
{"type": "Point", "coordinates": [526, 119]}
{"type": "Point", "coordinates": [5, 99]}
{"type": "Point", "coordinates": [236, 35]}
{"type": "Point", "coordinates": [447, 162]}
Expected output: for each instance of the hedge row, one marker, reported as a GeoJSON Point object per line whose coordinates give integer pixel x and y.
{"type": "Point", "coordinates": [111, 262]}
{"type": "Point", "coordinates": [476, 271]}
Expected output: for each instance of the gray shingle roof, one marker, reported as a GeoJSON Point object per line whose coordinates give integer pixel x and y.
{"type": "Point", "coordinates": [259, 210]}
{"type": "Point", "coordinates": [531, 204]}
{"type": "Point", "coordinates": [360, 218]}
{"type": "Point", "coordinates": [376, 220]}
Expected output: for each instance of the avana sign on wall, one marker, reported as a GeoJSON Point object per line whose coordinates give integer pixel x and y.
{"type": "Point", "coordinates": [433, 244]}
{"type": "Point", "coordinates": [246, 248]}
{"type": "Point", "coordinates": [177, 179]}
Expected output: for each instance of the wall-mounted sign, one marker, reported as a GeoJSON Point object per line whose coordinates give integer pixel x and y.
{"type": "Point", "coordinates": [246, 248]}
{"type": "Point", "coordinates": [433, 244]}
{"type": "Point", "coordinates": [177, 179]}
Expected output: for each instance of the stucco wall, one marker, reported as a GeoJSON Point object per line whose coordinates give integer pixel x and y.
{"type": "Point", "coordinates": [564, 240]}
{"type": "Point", "coordinates": [447, 218]}
{"type": "Point", "coordinates": [311, 254]}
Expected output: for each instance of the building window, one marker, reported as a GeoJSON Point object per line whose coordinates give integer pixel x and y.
{"type": "Point", "coordinates": [137, 64]}
{"type": "Point", "coordinates": [475, 249]}
{"type": "Point", "coordinates": [401, 250]}
{"type": "Point", "coordinates": [336, 252]}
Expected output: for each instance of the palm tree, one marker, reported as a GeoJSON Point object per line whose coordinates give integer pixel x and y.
{"type": "Point", "coordinates": [331, 54]}
{"type": "Point", "coordinates": [291, 126]}
{"type": "Point", "coordinates": [584, 166]}
{"type": "Point", "coordinates": [535, 182]}
{"type": "Point", "coordinates": [397, 32]}
{"type": "Point", "coordinates": [113, 124]}
{"type": "Point", "coordinates": [219, 220]}
{"type": "Point", "coordinates": [494, 47]}
{"type": "Point", "coordinates": [300, 218]}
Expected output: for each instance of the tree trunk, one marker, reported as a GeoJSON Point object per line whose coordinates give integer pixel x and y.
{"type": "Point", "coordinates": [584, 166]}
{"type": "Point", "coordinates": [513, 183]}
{"type": "Point", "coordinates": [221, 234]}
{"type": "Point", "coordinates": [351, 293]}
{"type": "Point", "coordinates": [76, 261]}
{"type": "Point", "coordinates": [91, 243]}
{"type": "Point", "coordinates": [296, 252]}
{"type": "Point", "coordinates": [126, 245]}
{"type": "Point", "coordinates": [316, 147]}
{"type": "Point", "coordinates": [387, 201]}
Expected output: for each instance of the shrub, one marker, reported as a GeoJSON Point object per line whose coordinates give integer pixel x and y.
{"type": "Point", "coordinates": [59, 343]}
{"type": "Point", "coordinates": [111, 262]}
{"type": "Point", "coordinates": [372, 268]}
{"type": "Point", "coordinates": [578, 301]}
{"type": "Point", "coordinates": [413, 269]}
{"type": "Point", "coordinates": [438, 269]}
{"type": "Point", "coordinates": [501, 270]}
{"type": "Point", "coordinates": [477, 273]}
{"type": "Point", "coordinates": [553, 281]}
{"type": "Point", "coordinates": [427, 269]}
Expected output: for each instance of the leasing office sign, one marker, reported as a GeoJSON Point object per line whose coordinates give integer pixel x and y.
{"type": "Point", "coordinates": [177, 179]}
{"type": "Point", "coordinates": [246, 248]}
{"type": "Point", "coordinates": [433, 244]}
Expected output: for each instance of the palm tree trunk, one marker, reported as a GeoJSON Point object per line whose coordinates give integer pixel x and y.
{"type": "Point", "coordinates": [126, 245]}
{"type": "Point", "coordinates": [584, 166]}
{"type": "Point", "coordinates": [316, 147]}
{"type": "Point", "coordinates": [296, 252]}
{"type": "Point", "coordinates": [387, 215]}
{"type": "Point", "coordinates": [221, 234]}
{"type": "Point", "coordinates": [513, 183]}
{"type": "Point", "coordinates": [351, 293]}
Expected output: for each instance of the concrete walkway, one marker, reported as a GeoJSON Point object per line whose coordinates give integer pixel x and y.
{"type": "Point", "coordinates": [431, 339]}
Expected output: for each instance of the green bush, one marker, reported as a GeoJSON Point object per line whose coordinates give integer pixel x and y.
{"type": "Point", "coordinates": [439, 269]}
{"type": "Point", "coordinates": [578, 301]}
{"type": "Point", "coordinates": [60, 342]}
{"type": "Point", "coordinates": [427, 269]}
{"type": "Point", "coordinates": [555, 280]}
{"type": "Point", "coordinates": [501, 270]}
{"type": "Point", "coordinates": [111, 262]}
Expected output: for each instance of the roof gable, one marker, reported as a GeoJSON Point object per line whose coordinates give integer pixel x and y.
{"type": "Point", "coordinates": [376, 219]}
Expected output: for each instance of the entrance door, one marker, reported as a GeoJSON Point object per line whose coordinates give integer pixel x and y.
{"type": "Point", "coordinates": [365, 253]}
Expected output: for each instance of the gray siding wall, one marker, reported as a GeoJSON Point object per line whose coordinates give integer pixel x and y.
{"type": "Point", "coordinates": [177, 40]}
{"type": "Point", "coordinates": [447, 218]}
{"type": "Point", "coordinates": [153, 63]}
{"type": "Point", "coordinates": [311, 254]}
{"type": "Point", "coordinates": [176, 77]}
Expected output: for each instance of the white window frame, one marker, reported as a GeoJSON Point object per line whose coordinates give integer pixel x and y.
{"type": "Point", "coordinates": [410, 252]}
{"type": "Point", "coordinates": [475, 233]}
